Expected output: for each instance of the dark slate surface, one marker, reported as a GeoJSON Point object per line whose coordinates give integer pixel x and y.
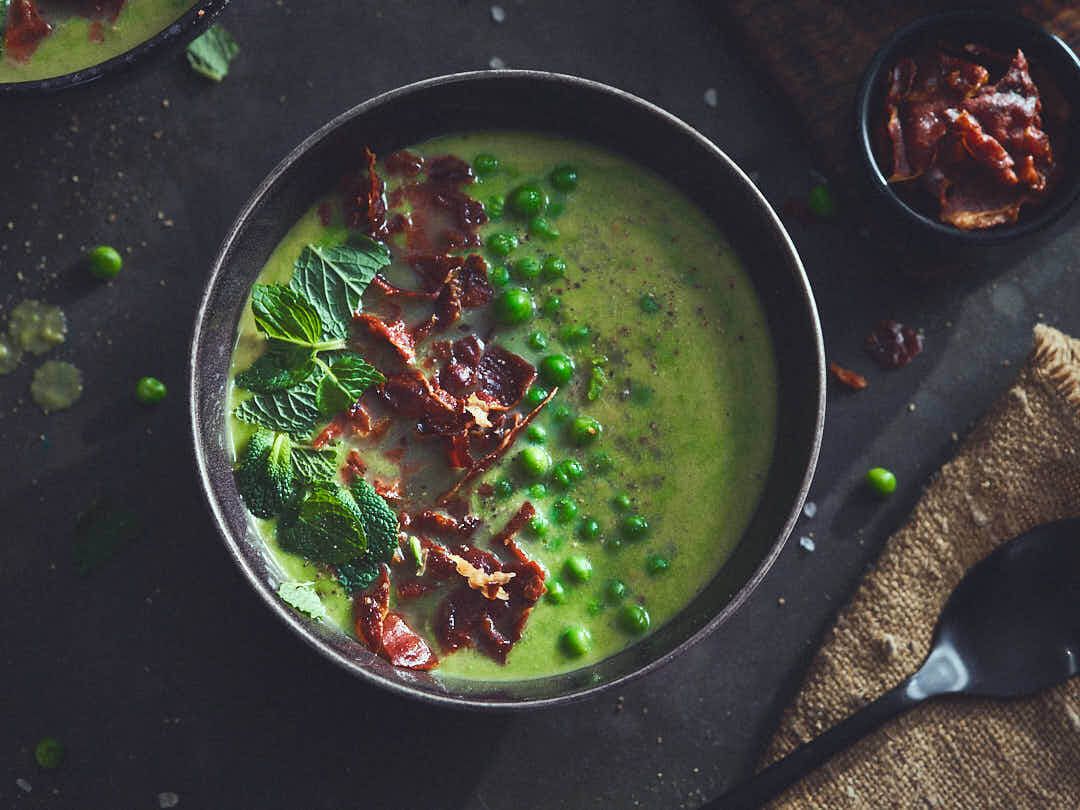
{"type": "Point", "coordinates": [161, 671]}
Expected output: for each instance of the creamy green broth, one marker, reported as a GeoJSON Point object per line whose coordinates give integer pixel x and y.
{"type": "Point", "coordinates": [77, 43]}
{"type": "Point", "coordinates": [688, 413]}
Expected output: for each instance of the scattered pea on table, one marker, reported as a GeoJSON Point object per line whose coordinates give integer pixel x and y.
{"type": "Point", "coordinates": [150, 390]}
{"type": "Point", "coordinates": [105, 262]}
{"type": "Point", "coordinates": [881, 481]}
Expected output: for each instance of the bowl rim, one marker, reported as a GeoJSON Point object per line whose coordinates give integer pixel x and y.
{"type": "Point", "coordinates": [186, 27]}
{"type": "Point", "coordinates": [289, 617]}
{"type": "Point", "coordinates": [868, 92]}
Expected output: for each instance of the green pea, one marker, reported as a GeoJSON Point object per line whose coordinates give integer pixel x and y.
{"type": "Point", "coordinates": [564, 510]}
{"type": "Point", "coordinates": [556, 592]}
{"type": "Point", "coordinates": [49, 753]}
{"type": "Point", "coordinates": [150, 390]}
{"type": "Point", "coordinates": [589, 529]}
{"type": "Point", "coordinates": [504, 488]}
{"type": "Point", "coordinates": [585, 430]}
{"type": "Point", "coordinates": [538, 340]}
{"type": "Point", "coordinates": [537, 491]}
{"type": "Point", "coordinates": [502, 243]}
{"type": "Point", "coordinates": [554, 268]}
{"type": "Point", "coordinates": [601, 462]}
{"type": "Point", "coordinates": [104, 262]}
{"type": "Point", "coordinates": [495, 206]}
{"type": "Point", "coordinates": [621, 502]}
{"type": "Point", "coordinates": [820, 202]}
{"type": "Point", "coordinates": [534, 462]}
{"type": "Point", "coordinates": [500, 275]}
{"type": "Point", "coordinates": [528, 200]}
{"type": "Point", "coordinates": [881, 481]}
{"type": "Point", "coordinates": [560, 412]}
{"type": "Point", "coordinates": [657, 564]}
{"type": "Point", "coordinates": [575, 641]}
{"type": "Point", "coordinates": [555, 208]}
{"type": "Point", "coordinates": [578, 568]}
{"type": "Point", "coordinates": [567, 472]}
{"type": "Point", "coordinates": [556, 369]}
{"type": "Point", "coordinates": [574, 334]}
{"type": "Point", "coordinates": [649, 304]}
{"type": "Point", "coordinates": [538, 527]}
{"type": "Point", "coordinates": [634, 619]}
{"type": "Point", "coordinates": [634, 527]}
{"type": "Point", "coordinates": [564, 177]}
{"type": "Point", "coordinates": [552, 306]}
{"type": "Point", "coordinates": [514, 305]}
{"type": "Point", "coordinates": [535, 395]}
{"type": "Point", "coordinates": [485, 164]}
{"type": "Point", "coordinates": [543, 228]}
{"type": "Point", "coordinates": [536, 434]}
{"type": "Point", "coordinates": [527, 268]}
{"type": "Point", "coordinates": [615, 590]}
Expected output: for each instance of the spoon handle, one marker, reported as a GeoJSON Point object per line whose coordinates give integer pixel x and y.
{"type": "Point", "coordinates": [778, 776]}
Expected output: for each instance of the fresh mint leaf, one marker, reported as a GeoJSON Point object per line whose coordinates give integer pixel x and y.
{"type": "Point", "coordinates": [265, 474]}
{"type": "Point", "coordinates": [292, 410]}
{"type": "Point", "coordinates": [343, 381]}
{"type": "Point", "coordinates": [101, 532]}
{"type": "Point", "coordinates": [280, 366]}
{"type": "Point", "coordinates": [312, 465]}
{"type": "Point", "coordinates": [381, 527]}
{"type": "Point", "coordinates": [211, 54]}
{"type": "Point", "coordinates": [302, 596]}
{"type": "Point", "coordinates": [333, 279]}
{"type": "Point", "coordinates": [284, 315]}
{"type": "Point", "coordinates": [323, 524]}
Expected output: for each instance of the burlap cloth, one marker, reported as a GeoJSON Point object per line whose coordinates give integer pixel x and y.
{"type": "Point", "coordinates": [1020, 467]}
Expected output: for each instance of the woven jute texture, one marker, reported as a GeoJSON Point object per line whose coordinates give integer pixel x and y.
{"type": "Point", "coordinates": [1020, 467]}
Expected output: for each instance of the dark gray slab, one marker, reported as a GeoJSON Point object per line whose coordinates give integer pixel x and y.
{"type": "Point", "coordinates": [161, 672]}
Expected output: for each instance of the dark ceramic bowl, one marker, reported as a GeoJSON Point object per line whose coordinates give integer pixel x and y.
{"type": "Point", "coordinates": [580, 109]}
{"type": "Point", "coordinates": [1051, 61]}
{"type": "Point", "coordinates": [191, 24]}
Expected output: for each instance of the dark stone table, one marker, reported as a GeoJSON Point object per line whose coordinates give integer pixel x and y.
{"type": "Point", "coordinates": [162, 672]}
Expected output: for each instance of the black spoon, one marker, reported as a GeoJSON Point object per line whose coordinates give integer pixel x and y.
{"type": "Point", "coordinates": [1011, 628]}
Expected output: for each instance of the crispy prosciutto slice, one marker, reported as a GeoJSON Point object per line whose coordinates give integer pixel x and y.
{"type": "Point", "coordinates": [387, 634]}
{"type": "Point", "coordinates": [489, 600]}
{"type": "Point", "coordinates": [394, 332]}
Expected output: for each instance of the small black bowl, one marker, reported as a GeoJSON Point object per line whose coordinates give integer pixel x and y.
{"type": "Point", "coordinates": [577, 108]}
{"type": "Point", "coordinates": [1049, 57]}
{"type": "Point", "coordinates": [190, 25]}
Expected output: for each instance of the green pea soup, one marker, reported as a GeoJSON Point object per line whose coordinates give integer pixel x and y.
{"type": "Point", "coordinates": [669, 411]}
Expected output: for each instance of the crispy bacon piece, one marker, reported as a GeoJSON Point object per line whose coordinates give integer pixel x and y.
{"type": "Point", "coordinates": [25, 30]}
{"type": "Point", "coordinates": [521, 518]}
{"type": "Point", "coordinates": [434, 269]}
{"type": "Point", "coordinates": [977, 147]}
{"type": "Point", "coordinates": [504, 377]}
{"type": "Point", "coordinates": [476, 290]}
{"type": "Point", "coordinates": [364, 201]}
{"type": "Point", "coordinates": [392, 291]}
{"type": "Point", "coordinates": [486, 463]}
{"type": "Point", "coordinates": [438, 523]}
{"type": "Point", "coordinates": [404, 163]}
{"type": "Point", "coordinates": [449, 170]}
{"type": "Point", "coordinates": [892, 344]}
{"type": "Point", "coordinates": [388, 634]}
{"type": "Point", "coordinates": [389, 490]}
{"type": "Point", "coordinates": [463, 359]}
{"type": "Point", "coordinates": [353, 468]}
{"type": "Point", "coordinates": [852, 379]}
{"type": "Point", "coordinates": [470, 618]}
{"type": "Point", "coordinates": [395, 332]}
